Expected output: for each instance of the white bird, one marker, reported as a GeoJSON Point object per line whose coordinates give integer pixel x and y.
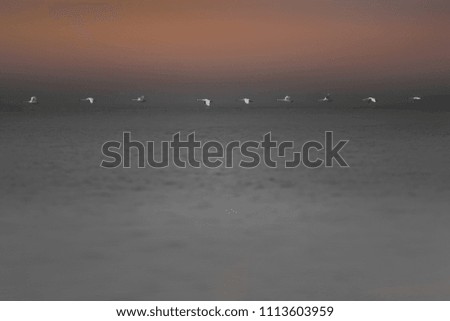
{"type": "Point", "coordinates": [286, 99]}
{"type": "Point", "coordinates": [246, 101]}
{"type": "Point", "coordinates": [414, 98]}
{"type": "Point", "coordinates": [326, 99]}
{"type": "Point", "coordinates": [206, 101]}
{"type": "Point", "coordinates": [140, 99]}
{"type": "Point", "coordinates": [89, 99]}
{"type": "Point", "coordinates": [370, 100]}
{"type": "Point", "coordinates": [33, 100]}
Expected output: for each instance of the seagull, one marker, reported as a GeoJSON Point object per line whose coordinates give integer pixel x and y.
{"type": "Point", "coordinates": [33, 100]}
{"type": "Point", "coordinates": [206, 101]}
{"type": "Point", "coordinates": [326, 99]}
{"type": "Point", "coordinates": [286, 99]}
{"type": "Point", "coordinates": [415, 98]}
{"type": "Point", "coordinates": [89, 99]}
{"type": "Point", "coordinates": [140, 99]}
{"type": "Point", "coordinates": [246, 101]}
{"type": "Point", "coordinates": [370, 100]}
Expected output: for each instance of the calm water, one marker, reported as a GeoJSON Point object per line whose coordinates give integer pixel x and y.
{"type": "Point", "coordinates": [74, 231]}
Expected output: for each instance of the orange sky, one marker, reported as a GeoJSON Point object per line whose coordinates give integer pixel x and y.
{"type": "Point", "coordinates": [212, 40]}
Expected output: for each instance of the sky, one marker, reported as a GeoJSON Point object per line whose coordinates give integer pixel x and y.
{"type": "Point", "coordinates": [228, 45]}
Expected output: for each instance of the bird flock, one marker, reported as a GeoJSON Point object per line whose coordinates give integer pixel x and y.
{"type": "Point", "coordinates": [208, 102]}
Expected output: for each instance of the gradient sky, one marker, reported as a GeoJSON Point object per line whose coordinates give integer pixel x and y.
{"type": "Point", "coordinates": [316, 44]}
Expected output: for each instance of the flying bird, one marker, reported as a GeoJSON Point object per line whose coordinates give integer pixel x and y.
{"type": "Point", "coordinates": [246, 101]}
{"type": "Point", "coordinates": [140, 99]}
{"type": "Point", "coordinates": [206, 101]}
{"type": "Point", "coordinates": [370, 100]}
{"type": "Point", "coordinates": [286, 99]}
{"type": "Point", "coordinates": [415, 98]}
{"type": "Point", "coordinates": [33, 100]}
{"type": "Point", "coordinates": [326, 99]}
{"type": "Point", "coordinates": [89, 99]}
